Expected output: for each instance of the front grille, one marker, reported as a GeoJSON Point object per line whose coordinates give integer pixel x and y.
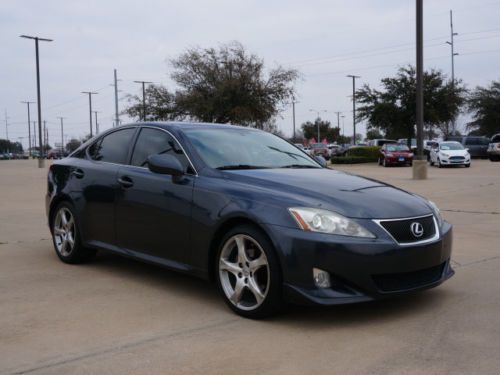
{"type": "Point", "coordinates": [394, 282]}
{"type": "Point", "coordinates": [401, 230]}
{"type": "Point", "coordinates": [457, 157]}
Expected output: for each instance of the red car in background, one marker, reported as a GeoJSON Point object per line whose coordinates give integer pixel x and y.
{"type": "Point", "coordinates": [395, 154]}
{"type": "Point", "coordinates": [320, 149]}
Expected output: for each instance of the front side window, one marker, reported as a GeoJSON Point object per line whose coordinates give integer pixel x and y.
{"type": "Point", "coordinates": [155, 142]}
{"type": "Point", "coordinates": [112, 148]}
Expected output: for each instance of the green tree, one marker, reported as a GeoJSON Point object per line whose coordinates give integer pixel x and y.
{"type": "Point", "coordinates": [310, 130]}
{"type": "Point", "coordinates": [228, 85]}
{"type": "Point", "coordinates": [484, 103]}
{"type": "Point", "coordinates": [374, 133]}
{"type": "Point", "coordinates": [393, 109]}
{"type": "Point", "coordinates": [73, 144]}
{"type": "Point", "coordinates": [160, 105]}
{"type": "Point", "coordinates": [8, 146]}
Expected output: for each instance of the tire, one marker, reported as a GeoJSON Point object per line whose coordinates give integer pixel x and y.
{"type": "Point", "coordinates": [467, 165]}
{"type": "Point", "coordinates": [66, 236]}
{"type": "Point", "coordinates": [494, 158]}
{"type": "Point", "coordinates": [432, 163]}
{"type": "Point", "coordinates": [439, 164]}
{"type": "Point", "coordinates": [248, 273]}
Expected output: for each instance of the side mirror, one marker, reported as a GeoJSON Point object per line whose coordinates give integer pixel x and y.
{"type": "Point", "coordinates": [165, 164]}
{"type": "Point", "coordinates": [321, 160]}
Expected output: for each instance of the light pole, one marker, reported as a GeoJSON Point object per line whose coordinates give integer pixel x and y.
{"type": "Point", "coordinates": [41, 160]}
{"type": "Point", "coordinates": [293, 113]}
{"type": "Point", "coordinates": [343, 123]}
{"type": "Point", "coordinates": [318, 120]}
{"type": "Point", "coordinates": [420, 164]}
{"type": "Point", "coordinates": [90, 93]}
{"type": "Point", "coordinates": [29, 126]}
{"type": "Point", "coordinates": [453, 54]}
{"type": "Point", "coordinates": [143, 98]}
{"type": "Point", "coordinates": [353, 106]}
{"type": "Point", "coordinates": [62, 134]}
{"type": "Point", "coordinates": [96, 123]}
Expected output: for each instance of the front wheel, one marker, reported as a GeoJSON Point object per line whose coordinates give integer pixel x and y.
{"type": "Point", "coordinates": [248, 273]}
{"type": "Point", "coordinates": [439, 164]}
{"type": "Point", "coordinates": [66, 236]}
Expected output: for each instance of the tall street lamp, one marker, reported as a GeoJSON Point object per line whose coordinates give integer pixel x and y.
{"type": "Point", "coordinates": [317, 113]}
{"type": "Point", "coordinates": [353, 106]}
{"type": "Point", "coordinates": [29, 126]}
{"type": "Point", "coordinates": [143, 98]}
{"type": "Point", "coordinates": [41, 160]}
{"type": "Point", "coordinates": [90, 93]}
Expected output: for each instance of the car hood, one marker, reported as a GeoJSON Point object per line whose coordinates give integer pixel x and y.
{"type": "Point", "coordinates": [454, 152]}
{"type": "Point", "coordinates": [350, 195]}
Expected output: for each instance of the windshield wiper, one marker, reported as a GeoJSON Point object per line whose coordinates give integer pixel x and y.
{"type": "Point", "coordinates": [240, 166]}
{"type": "Point", "coordinates": [299, 166]}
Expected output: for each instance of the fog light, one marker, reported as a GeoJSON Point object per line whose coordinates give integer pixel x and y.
{"type": "Point", "coordinates": [321, 278]}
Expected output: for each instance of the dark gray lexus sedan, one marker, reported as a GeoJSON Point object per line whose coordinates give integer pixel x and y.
{"type": "Point", "coordinates": [247, 209]}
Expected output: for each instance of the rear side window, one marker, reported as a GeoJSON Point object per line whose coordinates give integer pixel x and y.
{"type": "Point", "coordinates": [154, 142]}
{"type": "Point", "coordinates": [112, 148]}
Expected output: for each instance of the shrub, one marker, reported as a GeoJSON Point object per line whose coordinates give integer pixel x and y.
{"type": "Point", "coordinates": [371, 152]}
{"type": "Point", "coordinates": [352, 160]}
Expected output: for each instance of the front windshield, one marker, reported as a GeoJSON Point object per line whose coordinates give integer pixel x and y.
{"type": "Point", "coordinates": [226, 148]}
{"type": "Point", "coordinates": [397, 148]}
{"type": "Point", "coordinates": [451, 146]}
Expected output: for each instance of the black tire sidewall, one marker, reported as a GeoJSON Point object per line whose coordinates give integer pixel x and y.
{"type": "Point", "coordinates": [273, 300]}
{"type": "Point", "coordinates": [79, 254]}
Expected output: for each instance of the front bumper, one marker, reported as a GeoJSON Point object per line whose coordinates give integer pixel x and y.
{"type": "Point", "coordinates": [399, 160]}
{"type": "Point", "coordinates": [451, 161]}
{"type": "Point", "coordinates": [360, 269]}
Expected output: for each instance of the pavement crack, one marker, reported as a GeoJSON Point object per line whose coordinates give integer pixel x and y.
{"type": "Point", "coordinates": [126, 346]}
{"type": "Point", "coordinates": [484, 260]}
{"type": "Point", "coordinates": [472, 212]}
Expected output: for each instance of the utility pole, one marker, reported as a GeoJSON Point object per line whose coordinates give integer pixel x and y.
{"type": "Point", "coordinates": [317, 113]}
{"type": "Point", "coordinates": [45, 136]}
{"type": "Point", "coordinates": [41, 160]}
{"type": "Point", "coordinates": [117, 116]}
{"type": "Point", "coordinates": [353, 106]}
{"type": "Point", "coordinates": [6, 125]}
{"type": "Point", "coordinates": [62, 134]}
{"type": "Point", "coordinates": [90, 93]}
{"type": "Point", "coordinates": [338, 120]}
{"type": "Point", "coordinates": [453, 54]}
{"type": "Point", "coordinates": [34, 133]}
{"type": "Point", "coordinates": [96, 123]}
{"type": "Point", "coordinates": [420, 164]}
{"type": "Point", "coordinates": [29, 126]}
{"type": "Point", "coordinates": [293, 113]}
{"type": "Point", "coordinates": [343, 123]}
{"type": "Point", "coordinates": [143, 98]}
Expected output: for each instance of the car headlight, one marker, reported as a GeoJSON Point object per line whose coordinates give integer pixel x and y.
{"type": "Point", "coordinates": [323, 221]}
{"type": "Point", "coordinates": [445, 155]}
{"type": "Point", "coordinates": [437, 213]}
{"type": "Point", "coordinates": [410, 155]}
{"type": "Point", "coordinates": [389, 155]}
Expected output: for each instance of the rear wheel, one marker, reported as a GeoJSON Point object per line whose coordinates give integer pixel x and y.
{"type": "Point", "coordinates": [66, 236]}
{"type": "Point", "coordinates": [248, 273]}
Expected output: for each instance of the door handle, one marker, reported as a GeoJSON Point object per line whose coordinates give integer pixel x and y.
{"type": "Point", "coordinates": [78, 173]}
{"type": "Point", "coordinates": [125, 182]}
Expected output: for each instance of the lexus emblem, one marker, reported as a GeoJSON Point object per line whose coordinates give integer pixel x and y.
{"type": "Point", "coordinates": [417, 229]}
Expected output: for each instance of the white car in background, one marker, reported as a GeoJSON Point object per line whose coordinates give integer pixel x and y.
{"type": "Point", "coordinates": [450, 153]}
{"type": "Point", "coordinates": [494, 148]}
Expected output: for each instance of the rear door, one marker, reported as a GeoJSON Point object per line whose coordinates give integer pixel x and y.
{"type": "Point", "coordinates": [153, 211]}
{"type": "Point", "coordinates": [97, 174]}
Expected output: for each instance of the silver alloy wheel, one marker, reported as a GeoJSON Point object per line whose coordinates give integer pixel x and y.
{"type": "Point", "coordinates": [244, 272]}
{"type": "Point", "coordinates": [64, 231]}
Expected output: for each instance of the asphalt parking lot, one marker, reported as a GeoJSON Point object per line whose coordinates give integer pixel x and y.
{"type": "Point", "coordinates": [117, 316]}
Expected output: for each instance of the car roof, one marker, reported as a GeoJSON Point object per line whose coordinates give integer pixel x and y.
{"type": "Point", "coordinates": [182, 125]}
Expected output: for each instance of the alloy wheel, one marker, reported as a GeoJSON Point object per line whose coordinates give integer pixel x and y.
{"type": "Point", "coordinates": [64, 231]}
{"type": "Point", "coordinates": [244, 272]}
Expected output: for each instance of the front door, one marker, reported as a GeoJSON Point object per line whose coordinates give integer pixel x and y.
{"type": "Point", "coordinates": [153, 211]}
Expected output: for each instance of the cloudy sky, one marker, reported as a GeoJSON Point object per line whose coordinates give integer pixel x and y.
{"type": "Point", "coordinates": [325, 40]}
